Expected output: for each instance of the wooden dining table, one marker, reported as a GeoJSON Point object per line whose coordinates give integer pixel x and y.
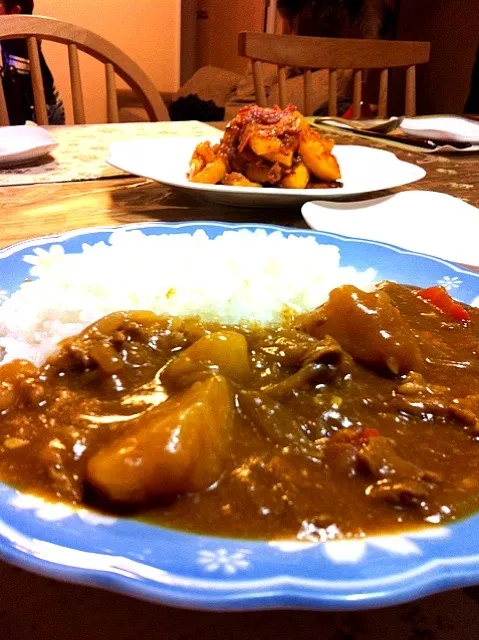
{"type": "Point", "coordinates": [36, 607]}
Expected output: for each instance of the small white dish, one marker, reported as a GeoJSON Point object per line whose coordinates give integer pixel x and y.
{"type": "Point", "coordinates": [424, 221]}
{"type": "Point", "coordinates": [442, 129]}
{"type": "Point", "coordinates": [166, 160]}
{"type": "Point", "coordinates": [24, 143]}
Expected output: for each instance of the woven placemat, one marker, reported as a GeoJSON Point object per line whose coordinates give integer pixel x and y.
{"type": "Point", "coordinates": [83, 150]}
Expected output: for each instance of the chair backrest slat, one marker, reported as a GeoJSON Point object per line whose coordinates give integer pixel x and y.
{"type": "Point", "coordinates": [308, 92]}
{"type": "Point", "coordinates": [310, 53]}
{"type": "Point", "coordinates": [383, 93]}
{"type": "Point", "coordinates": [258, 81]}
{"type": "Point", "coordinates": [282, 87]}
{"type": "Point", "coordinates": [41, 116]}
{"type": "Point", "coordinates": [357, 82]}
{"type": "Point", "coordinates": [111, 96]}
{"type": "Point", "coordinates": [410, 105]}
{"type": "Point", "coordinates": [333, 93]}
{"type": "Point", "coordinates": [331, 53]}
{"type": "Point", "coordinates": [76, 85]}
{"type": "Point", "coordinates": [36, 28]}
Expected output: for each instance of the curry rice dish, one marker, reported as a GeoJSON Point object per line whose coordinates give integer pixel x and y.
{"type": "Point", "coordinates": [359, 416]}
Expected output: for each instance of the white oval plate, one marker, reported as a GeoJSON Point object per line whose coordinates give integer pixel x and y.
{"type": "Point", "coordinates": [424, 221]}
{"type": "Point", "coordinates": [24, 143]}
{"type": "Point", "coordinates": [166, 160]}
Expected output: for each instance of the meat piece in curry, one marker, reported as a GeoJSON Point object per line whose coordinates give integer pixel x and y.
{"type": "Point", "coordinates": [361, 416]}
{"type": "Point", "coordinates": [267, 147]}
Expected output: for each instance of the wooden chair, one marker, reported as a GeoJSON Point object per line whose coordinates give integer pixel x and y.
{"type": "Point", "coordinates": [35, 28]}
{"type": "Point", "coordinates": [309, 53]}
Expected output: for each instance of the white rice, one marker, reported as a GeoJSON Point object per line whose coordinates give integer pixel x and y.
{"type": "Point", "coordinates": [240, 276]}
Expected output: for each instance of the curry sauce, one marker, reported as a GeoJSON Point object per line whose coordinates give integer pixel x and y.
{"type": "Point", "coordinates": [359, 417]}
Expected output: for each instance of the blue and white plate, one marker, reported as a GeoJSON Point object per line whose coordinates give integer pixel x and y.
{"type": "Point", "coordinates": [204, 572]}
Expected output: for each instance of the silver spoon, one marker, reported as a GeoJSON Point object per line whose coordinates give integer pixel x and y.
{"type": "Point", "coordinates": [382, 127]}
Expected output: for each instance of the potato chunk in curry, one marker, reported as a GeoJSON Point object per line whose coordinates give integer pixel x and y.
{"type": "Point", "coordinates": [180, 446]}
{"type": "Point", "coordinates": [369, 327]}
{"type": "Point", "coordinates": [222, 351]}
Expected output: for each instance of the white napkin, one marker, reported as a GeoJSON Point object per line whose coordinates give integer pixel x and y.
{"type": "Point", "coordinates": [433, 223]}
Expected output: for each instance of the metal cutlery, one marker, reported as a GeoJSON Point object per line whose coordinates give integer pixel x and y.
{"type": "Point", "coordinates": [382, 127]}
{"type": "Point", "coordinates": [372, 131]}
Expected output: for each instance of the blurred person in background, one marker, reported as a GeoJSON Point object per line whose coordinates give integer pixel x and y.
{"type": "Point", "coordinates": [340, 18]}
{"type": "Point", "coordinates": [16, 78]}
{"type": "Point", "coordinates": [375, 19]}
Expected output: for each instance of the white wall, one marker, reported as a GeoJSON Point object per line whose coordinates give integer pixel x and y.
{"type": "Point", "coordinates": [147, 30]}
{"type": "Point", "coordinates": [218, 31]}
